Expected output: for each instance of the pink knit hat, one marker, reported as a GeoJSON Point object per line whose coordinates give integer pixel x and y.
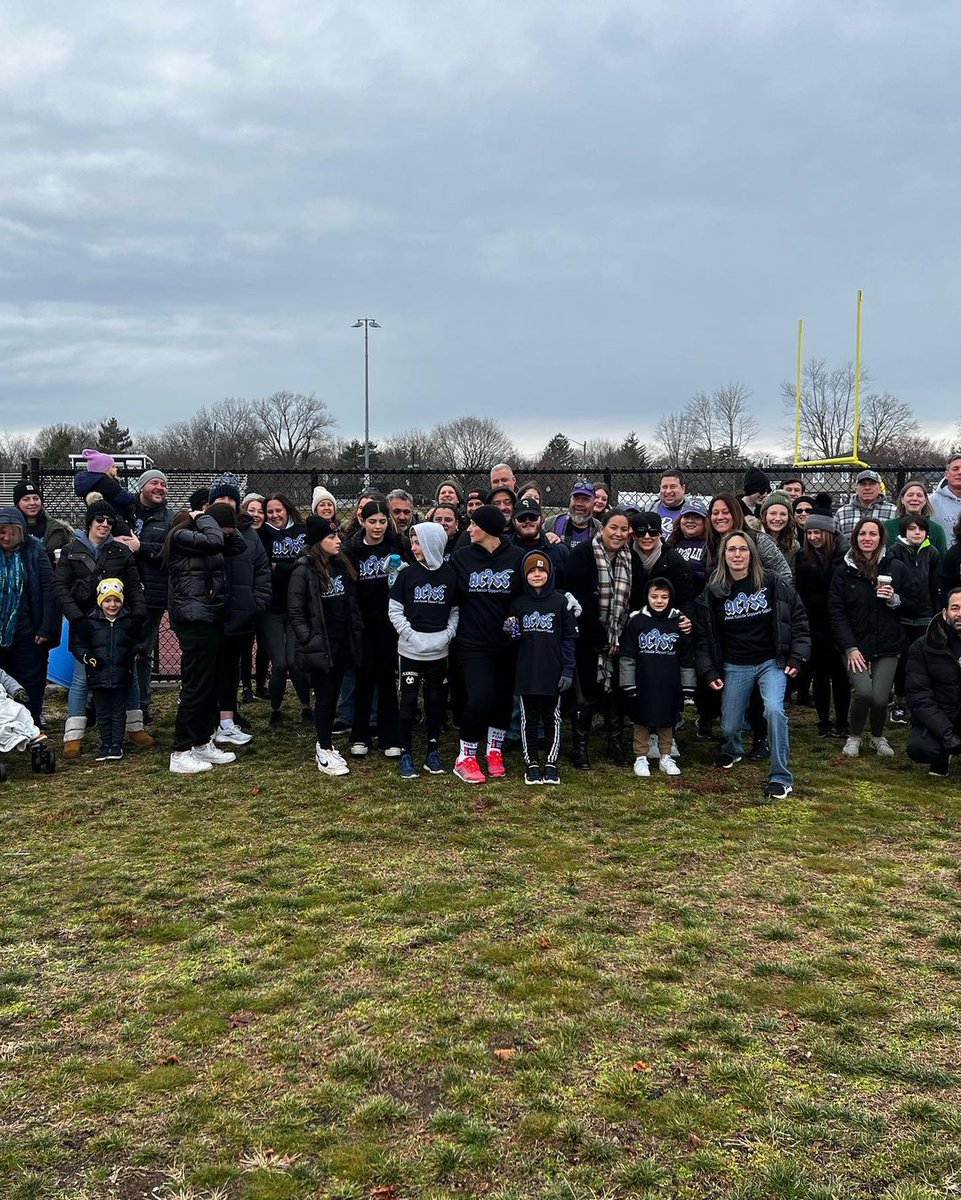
{"type": "Point", "coordinates": [97, 461]}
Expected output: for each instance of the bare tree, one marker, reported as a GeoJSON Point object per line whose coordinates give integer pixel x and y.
{"type": "Point", "coordinates": [675, 437]}
{"type": "Point", "coordinates": [227, 434]}
{"type": "Point", "coordinates": [471, 445]}
{"type": "Point", "coordinates": [827, 408]}
{"type": "Point", "coordinates": [16, 449]}
{"type": "Point", "coordinates": [412, 447]}
{"type": "Point", "coordinates": [734, 421]}
{"type": "Point", "coordinates": [293, 427]}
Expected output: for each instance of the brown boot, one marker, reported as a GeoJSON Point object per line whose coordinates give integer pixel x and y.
{"type": "Point", "coordinates": [139, 738]}
{"type": "Point", "coordinates": [73, 732]}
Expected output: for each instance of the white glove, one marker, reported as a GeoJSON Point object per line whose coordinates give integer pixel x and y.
{"type": "Point", "coordinates": [573, 604]}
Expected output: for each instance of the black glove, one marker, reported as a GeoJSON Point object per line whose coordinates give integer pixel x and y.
{"type": "Point", "coordinates": [21, 697]}
{"type": "Point", "coordinates": [952, 742]}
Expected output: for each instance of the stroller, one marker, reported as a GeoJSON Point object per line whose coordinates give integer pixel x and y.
{"type": "Point", "coordinates": [17, 730]}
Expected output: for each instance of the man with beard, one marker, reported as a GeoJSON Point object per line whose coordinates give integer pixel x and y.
{"type": "Point", "coordinates": [527, 532]}
{"type": "Point", "coordinates": [578, 524]}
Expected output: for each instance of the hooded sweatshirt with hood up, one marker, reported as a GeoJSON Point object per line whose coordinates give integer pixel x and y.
{"type": "Point", "coordinates": [547, 635]}
{"type": "Point", "coordinates": [422, 604]}
{"type": "Point", "coordinates": [947, 509]}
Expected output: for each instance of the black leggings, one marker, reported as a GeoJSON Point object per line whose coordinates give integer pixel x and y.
{"type": "Point", "coordinates": [488, 676]}
{"type": "Point", "coordinates": [534, 710]}
{"type": "Point", "coordinates": [326, 685]}
{"type": "Point", "coordinates": [111, 706]}
{"type": "Point", "coordinates": [829, 674]}
{"type": "Point", "coordinates": [201, 647]}
{"type": "Point", "coordinates": [912, 633]}
{"type": "Point", "coordinates": [233, 647]}
{"type": "Point", "coordinates": [378, 671]}
{"type": "Point", "coordinates": [434, 675]}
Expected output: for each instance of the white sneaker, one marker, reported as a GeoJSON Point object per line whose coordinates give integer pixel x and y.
{"type": "Point", "coordinates": [185, 762]}
{"type": "Point", "coordinates": [358, 749]}
{"type": "Point", "coordinates": [669, 766]}
{"type": "Point", "coordinates": [231, 735]}
{"type": "Point", "coordinates": [883, 747]}
{"type": "Point", "coordinates": [642, 767]}
{"type": "Point", "coordinates": [329, 763]}
{"type": "Point", "coordinates": [852, 747]}
{"type": "Point", "coordinates": [392, 752]}
{"type": "Point", "coordinates": [211, 754]}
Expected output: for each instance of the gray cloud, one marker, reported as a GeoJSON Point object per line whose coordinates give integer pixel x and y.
{"type": "Point", "coordinates": [571, 216]}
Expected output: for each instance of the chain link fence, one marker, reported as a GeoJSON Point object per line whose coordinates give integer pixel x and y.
{"type": "Point", "coordinates": [638, 487]}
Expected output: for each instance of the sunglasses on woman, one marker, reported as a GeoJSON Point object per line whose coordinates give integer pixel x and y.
{"type": "Point", "coordinates": [104, 520]}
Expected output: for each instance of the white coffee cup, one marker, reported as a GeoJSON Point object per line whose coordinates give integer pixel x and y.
{"type": "Point", "coordinates": [885, 580]}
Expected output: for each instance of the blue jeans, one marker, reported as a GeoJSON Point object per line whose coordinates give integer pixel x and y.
{"type": "Point", "coordinates": [739, 682]}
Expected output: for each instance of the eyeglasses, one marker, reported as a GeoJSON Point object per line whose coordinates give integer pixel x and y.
{"type": "Point", "coordinates": [104, 520]}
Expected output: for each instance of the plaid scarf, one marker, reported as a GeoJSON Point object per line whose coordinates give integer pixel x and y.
{"type": "Point", "coordinates": [613, 602]}
{"type": "Point", "coordinates": [11, 589]}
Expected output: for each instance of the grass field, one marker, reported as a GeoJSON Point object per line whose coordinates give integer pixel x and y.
{"type": "Point", "coordinates": [262, 983]}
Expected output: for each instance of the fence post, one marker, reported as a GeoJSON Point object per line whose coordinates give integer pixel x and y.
{"type": "Point", "coordinates": [34, 472]}
{"type": "Point", "coordinates": [314, 479]}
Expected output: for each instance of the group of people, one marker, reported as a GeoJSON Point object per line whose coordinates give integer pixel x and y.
{"type": "Point", "coordinates": [488, 617]}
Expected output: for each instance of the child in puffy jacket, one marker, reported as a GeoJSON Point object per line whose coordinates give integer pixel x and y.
{"type": "Point", "coordinates": [100, 476]}
{"type": "Point", "coordinates": [914, 548]}
{"type": "Point", "coordinates": [17, 730]}
{"type": "Point", "coordinates": [423, 611]}
{"type": "Point", "coordinates": [108, 647]}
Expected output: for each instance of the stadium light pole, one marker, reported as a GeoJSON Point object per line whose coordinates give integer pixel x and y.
{"type": "Point", "coordinates": [366, 323]}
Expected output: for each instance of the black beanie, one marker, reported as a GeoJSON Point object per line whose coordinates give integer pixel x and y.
{"type": "Point", "coordinates": [224, 515]}
{"type": "Point", "coordinates": [198, 499]}
{"type": "Point", "coordinates": [25, 488]}
{"type": "Point", "coordinates": [490, 519]}
{"type": "Point", "coordinates": [99, 508]}
{"type": "Point", "coordinates": [318, 528]}
{"type": "Point", "coordinates": [755, 481]}
{"type": "Point", "coordinates": [226, 484]}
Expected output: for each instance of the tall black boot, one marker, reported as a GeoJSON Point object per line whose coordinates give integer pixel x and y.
{"type": "Point", "coordinates": [581, 726]}
{"type": "Point", "coordinates": [614, 727]}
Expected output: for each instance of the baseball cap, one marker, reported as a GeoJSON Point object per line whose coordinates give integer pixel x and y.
{"type": "Point", "coordinates": [583, 488]}
{"type": "Point", "coordinates": [868, 477]}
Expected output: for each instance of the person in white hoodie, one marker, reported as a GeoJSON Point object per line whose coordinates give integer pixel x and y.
{"type": "Point", "coordinates": [422, 609]}
{"type": "Point", "coordinates": [946, 499]}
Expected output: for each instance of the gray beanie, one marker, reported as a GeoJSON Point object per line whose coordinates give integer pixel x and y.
{"type": "Point", "coordinates": [141, 482]}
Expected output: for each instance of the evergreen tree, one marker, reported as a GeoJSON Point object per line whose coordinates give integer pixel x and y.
{"type": "Point", "coordinates": [558, 454]}
{"type": "Point", "coordinates": [113, 438]}
{"type": "Point", "coordinates": [351, 456]}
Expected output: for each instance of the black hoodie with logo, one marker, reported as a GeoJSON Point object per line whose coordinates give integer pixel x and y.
{"type": "Point", "coordinates": [548, 632]}
{"type": "Point", "coordinates": [487, 582]}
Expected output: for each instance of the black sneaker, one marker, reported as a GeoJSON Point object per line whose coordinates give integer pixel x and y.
{"type": "Point", "coordinates": [262, 693]}
{"type": "Point", "coordinates": [778, 791]}
{"type": "Point", "coordinates": [940, 768]}
{"type": "Point", "coordinates": [726, 761]}
{"type": "Point", "coordinates": [899, 715]}
{"type": "Point", "coordinates": [115, 754]}
{"type": "Point", "coordinates": [551, 774]}
{"type": "Point", "coordinates": [760, 750]}
{"type": "Point", "coordinates": [532, 774]}
{"type": "Point", "coordinates": [339, 727]}
{"type": "Point", "coordinates": [102, 755]}
{"type": "Point", "coordinates": [825, 729]}
{"type": "Point", "coordinates": [276, 717]}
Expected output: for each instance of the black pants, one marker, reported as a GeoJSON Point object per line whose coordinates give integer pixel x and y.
{"type": "Point", "coordinates": [326, 686]}
{"type": "Point", "coordinates": [111, 706]}
{"type": "Point", "coordinates": [488, 677]}
{"type": "Point", "coordinates": [229, 673]}
{"type": "Point", "coordinates": [198, 714]}
{"type": "Point", "coordinates": [377, 671]}
{"type": "Point", "coordinates": [434, 676]}
{"type": "Point", "coordinates": [534, 710]}
{"type": "Point", "coordinates": [150, 632]}
{"type": "Point", "coordinates": [24, 660]}
{"type": "Point", "coordinates": [253, 665]}
{"type": "Point", "coordinates": [913, 632]}
{"type": "Point", "coordinates": [281, 645]}
{"type": "Point", "coordinates": [829, 674]}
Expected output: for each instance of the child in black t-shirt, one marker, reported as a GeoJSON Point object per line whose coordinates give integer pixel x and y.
{"type": "Point", "coordinates": [655, 645]}
{"type": "Point", "coordinates": [545, 630]}
{"type": "Point", "coordinates": [422, 611]}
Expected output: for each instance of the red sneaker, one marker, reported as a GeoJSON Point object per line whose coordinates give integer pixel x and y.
{"type": "Point", "coordinates": [495, 764]}
{"type": "Point", "coordinates": [469, 770]}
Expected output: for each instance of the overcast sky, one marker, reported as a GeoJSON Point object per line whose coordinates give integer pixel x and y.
{"type": "Point", "coordinates": [571, 215]}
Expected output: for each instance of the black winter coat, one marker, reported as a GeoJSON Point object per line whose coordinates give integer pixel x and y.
{"type": "Point", "coordinates": [114, 645]}
{"type": "Point", "coordinates": [813, 583]}
{"type": "Point", "coordinates": [933, 682]}
{"type": "Point", "coordinates": [925, 566]}
{"type": "Point", "coordinates": [79, 571]}
{"type": "Point", "coordinates": [198, 575]}
{"type": "Point", "coordinates": [859, 620]}
{"type": "Point", "coordinates": [582, 583]}
{"type": "Point", "coordinates": [950, 572]}
{"type": "Point", "coordinates": [248, 581]}
{"type": "Point", "coordinates": [152, 525]}
{"type": "Point", "coordinates": [305, 612]}
{"type": "Point", "coordinates": [792, 634]}
{"type": "Point", "coordinates": [673, 567]}
{"type": "Point", "coordinates": [545, 650]}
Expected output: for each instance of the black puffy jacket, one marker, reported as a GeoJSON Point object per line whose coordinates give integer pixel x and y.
{"type": "Point", "coordinates": [114, 645]}
{"type": "Point", "coordinates": [305, 612]}
{"type": "Point", "coordinates": [792, 634]}
{"type": "Point", "coordinates": [813, 583]}
{"type": "Point", "coordinates": [933, 682]}
{"type": "Point", "coordinates": [859, 620]}
{"type": "Point", "coordinates": [198, 576]}
{"type": "Point", "coordinates": [248, 581]}
{"type": "Point", "coordinates": [78, 572]}
{"type": "Point", "coordinates": [673, 567]}
{"type": "Point", "coordinates": [152, 525]}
